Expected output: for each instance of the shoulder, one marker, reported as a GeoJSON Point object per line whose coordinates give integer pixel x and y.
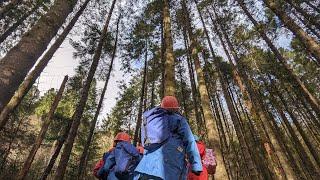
{"type": "Point", "coordinates": [178, 117]}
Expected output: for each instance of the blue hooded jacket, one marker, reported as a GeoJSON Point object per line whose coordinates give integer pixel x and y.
{"type": "Point", "coordinates": [117, 159]}
{"type": "Point", "coordinates": [169, 160]}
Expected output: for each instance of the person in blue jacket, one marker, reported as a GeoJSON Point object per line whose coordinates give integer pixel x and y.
{"type": "Point", "coordinates": [168, 142]}
{"type": "Point", "coordinates": [122, 161]}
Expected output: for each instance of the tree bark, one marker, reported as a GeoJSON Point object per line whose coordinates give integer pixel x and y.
{"type": "Point", "coordinates": [310, 43]}
{"type": "Point", "coordinates": [169, 71]}
{"type": "Point", "coordinates": [142, 95]}
{"type": "Point", "coordinates": [296, 82]}
{"type": "Point", "coordinates": [15, 65]}
{"type": "Point", "coordinates": [162, 50]}
{"type": "Point", "coordinates": [83, 158]}
{"type": "Point", "coordinates": [35, 73]}
{"type": "Point", "coordinates": [26, 166]}
{"type": "Point", "coordinates": [193, 86]}
{"type": "Point", "coordinates": [213, 135]}
{"type": "Point", "coordinates": [76, 118]}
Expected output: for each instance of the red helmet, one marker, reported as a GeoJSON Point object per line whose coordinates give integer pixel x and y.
{"type": "Point", "coordinates": [122, 136]}
{"type": "Point", "coordinates": [170, 102]}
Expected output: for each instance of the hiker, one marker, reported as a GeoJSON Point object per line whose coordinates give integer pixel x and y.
{"type": "Point", "coordinates": [100, 164]}
{"type": "Point", "coordinates": [167, 139]}
{"type": "Point", "coordinates": [202, 150]}
{"type": "Point", "coordinates": [122, 161]}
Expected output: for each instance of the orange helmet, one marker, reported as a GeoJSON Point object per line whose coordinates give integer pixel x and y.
{"type": "Point", "coordinates": [122, 136]}
{"type": "Point", "coordinates": [170, 102]}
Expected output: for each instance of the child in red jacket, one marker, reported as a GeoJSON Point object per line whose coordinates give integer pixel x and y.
{"type": "Point", "coordinates": [202, 151]}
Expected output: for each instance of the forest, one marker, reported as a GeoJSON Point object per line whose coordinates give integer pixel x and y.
{"type": "Point", "coordinates": [246, 74]}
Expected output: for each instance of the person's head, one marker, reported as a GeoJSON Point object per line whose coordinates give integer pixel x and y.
{"type": "Point", "coordinates": [170, 103]}
{"type": "Point", "coordinates": [122, 136]}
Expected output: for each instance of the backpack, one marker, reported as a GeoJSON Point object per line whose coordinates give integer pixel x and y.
{"type": "Point", "coordinates": [100, 164]}
{"type": "Point", "coordinates": [210, 161]}
{"type": "Point", "coordinates": [127, 158]}
{"type": "Point", "coordinates": [156, 129]}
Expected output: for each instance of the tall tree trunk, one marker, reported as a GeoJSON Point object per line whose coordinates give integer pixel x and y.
{"type": "Point", "coordinates": [196, 103]}
{"type": "Point", "coordinates": [169, 71]}
{"type": "Point", "coordinates": [246, 153]}
{"type": "Point", "coordinates": [76, 118]}
{"type": "Point", "coordinates": [304, 136]}
{"type": "Point", "coordinates": [14, 26]}
{"type": "Point", "coordinates": [57, 149]}
{"type": "Point", "coordinates": [241, 85]}
{"type": "Point", "coordinates": [224, 145]}
{"type": "Point", "coordinates": [4, 10]}
{"type": "Point", "coordinates": [30, 48]}
{"type": "Point", "coordinates": [296, 82]}
{"type": "Point", "coordinates": [162, 51]}
{"type": "Point", "coordinates": [142, 91]}
{"type": "Point", "coordinates": [298, 146]}
{"type": "Point", "coordinates": [264, 126]}
{"type": "Point", "coordinates": [213, 135]}
{"type": "Point", "coordinates": [310, 43]}
{"type": "Point", "coordinates": [231, 147]}
{"type": "Point", "coordinates": [84, 155]}
{"type": "Point", "coordinates": [301, 151]}
{"type": "Point", "coordinates": [26, 166]}
{"type": "Point", "coordinates": [35, 73]}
